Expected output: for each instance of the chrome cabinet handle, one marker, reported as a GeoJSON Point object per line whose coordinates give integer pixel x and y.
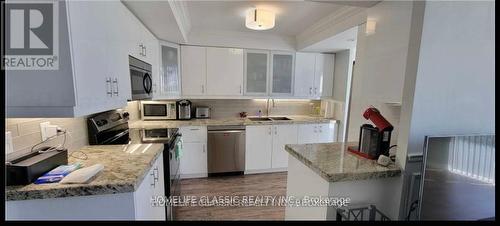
{"type": "Point", "coordinates": [240, 89]}
{"type": "Point", "coordinates": [108, 86]}
{"type": "Point", "coordinates": [315, 90]}
{"type": "Point", "coordinates": [310, 90]}
{"type": "Point", "coordinates": [203, 148]}
{"type": "Point", "coordinates": [155, 177]}
{"type": "Point", "coordinates": [194, 129]}
{"type": "Point", "coordinates": [202, 89]}
{"type": "Point", "coordinates": [270, 130]}
{"type": "Point", "coordinates": [115, 85]}
{"type": "Point", "coordinates": [275, 130]}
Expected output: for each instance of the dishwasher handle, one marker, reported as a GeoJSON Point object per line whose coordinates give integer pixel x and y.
{"type": "Point", "coordinates": [226, 131]}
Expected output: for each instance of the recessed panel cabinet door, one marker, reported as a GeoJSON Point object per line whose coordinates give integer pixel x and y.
{"type": "Point", "coordinates": [194, 70]}
{"type": "Point", "coordinates": [258, 147]}
{"type": "Point", "coordinates": [224, 71]}
{"type": "Point", "coordinates": [282, 135]}
{"type": "Point", "coordinates": [282, 73]}
{"type": "Point", "coordinates": [256, 72]}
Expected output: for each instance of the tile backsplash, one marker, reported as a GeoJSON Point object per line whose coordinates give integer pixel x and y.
{"type": "Point", "coordinates": [25, 132]}
{"type": "Point", "coordinates": [231, 108]}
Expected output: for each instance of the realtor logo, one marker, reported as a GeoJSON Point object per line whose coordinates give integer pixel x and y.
{"type": "Point", "coordinates": [31, 35]}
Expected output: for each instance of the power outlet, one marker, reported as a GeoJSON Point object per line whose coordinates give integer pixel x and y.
{"type": "Point", "coordinates": [47, 130]}
{"type": "Point", "coordinates": [9, 147]}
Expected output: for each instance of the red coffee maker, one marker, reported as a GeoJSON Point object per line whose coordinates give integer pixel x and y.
{"type": "Point", "coordinates": [373, 141]}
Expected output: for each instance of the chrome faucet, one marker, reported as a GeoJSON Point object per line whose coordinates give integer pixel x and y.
{"type": "Point", "coordinates": [267, 106]}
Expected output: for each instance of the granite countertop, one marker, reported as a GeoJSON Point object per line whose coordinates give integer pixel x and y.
{"type": "Point", "coordinates": [334, 163]}
{"type": "Point", "coordinates": [125, 167]}
{"type": "Point", "coordinates": [225, 121]}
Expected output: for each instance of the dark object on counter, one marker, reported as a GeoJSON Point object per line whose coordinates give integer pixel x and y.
{"type": "Point", "coordinates": [364, 213]}
{"type": "Point", "coordinates": [25, 169]}
{"type": "Point", "coordinates": [243, 114]}
{"type": "Point", "coordinates": [373, 141]}
{"type": "Point", "coordinates": [183, 109]}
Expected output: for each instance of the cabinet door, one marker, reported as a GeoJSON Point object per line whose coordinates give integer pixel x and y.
{"type": "Point", "coordinates": [194, 69]}
{"type": "Point", "coordinates": [327, 74]}
{"type": "Point", "coordinates": [169, 77]}
{"type": "Point", "coordinates": [304, 74]}
{"type": "Point", "coordinates": [282, 73]}
{"type": "Point", "coordinates": [151, 186]}
{"type": "Point", "coordinates": [318, 75]}
{"type": "Point", "coordinates": [307, 133]}
{"type": "Point", "coordinates": [256, 72]}
{"type": "Point", "coordinates": [224, 71]}
{"type": "Point", "coordinates": [258, 147]}
{"type": "Point", "coordinates": [90, 53]}
{"type": "Point", "coordinates": [283, 134]}
{"type": "Point", "coordinates": [327, 132]}
{"type": "Point", "coordinates": [194, 158]}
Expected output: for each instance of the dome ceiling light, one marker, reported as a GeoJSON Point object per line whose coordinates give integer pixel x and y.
{"type": "Point", "coordinates": [259, 19]}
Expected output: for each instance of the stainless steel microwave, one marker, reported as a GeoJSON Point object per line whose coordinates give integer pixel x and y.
{"type": "Point", "coordinates": [158, 110]}
{"type": "Point", "coordinates": [141, 79]}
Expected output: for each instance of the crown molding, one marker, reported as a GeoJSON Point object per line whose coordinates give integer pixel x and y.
{"type": "Point", "coordinates": [181, 15]}
{"type": "Point", "coordinates": [336, 22]}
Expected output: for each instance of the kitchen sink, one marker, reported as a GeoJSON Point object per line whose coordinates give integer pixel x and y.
{"type": "Point", "coordinates": [259, 119]}
{"type": "Point", "coordinates": [279, 118]}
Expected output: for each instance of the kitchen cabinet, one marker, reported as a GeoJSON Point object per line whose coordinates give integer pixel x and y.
{"type": "Point", "coordinates": [313, 75]}
{"type": "Point", "coordinates": [256, 68]}
{"type": "Point", "coordinates": [193, 161]}
{"type": "Point", "coordinates": [194, 70]}
{"type": "Point", "coordinates": [224, 71]}
{"type": "Point", "coordinates": [258, 147]}
{"type": "Point", "coordinates": [282, 73]}
{"type": "Point", "coordinates": [317, 133]}
{"type": "Point", "coordinates": [265, 146]}
{"type": "Point", "coordinates": [168, 82]}
{"type": "Point", "coordinates": [152, 186]}
{"type": "Point", "coordinates": [282, 135]}
{"type": "Point", "coordinates": [304, 74]}
{"type": "Point", "coordinates": [94, 43]}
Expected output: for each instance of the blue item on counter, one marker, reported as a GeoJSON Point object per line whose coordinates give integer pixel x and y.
{"type": "Point", "coordinates": [57, 174]}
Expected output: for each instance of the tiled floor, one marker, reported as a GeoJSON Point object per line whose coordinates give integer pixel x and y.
{"type": "Point", "coordinates": [271, 184]}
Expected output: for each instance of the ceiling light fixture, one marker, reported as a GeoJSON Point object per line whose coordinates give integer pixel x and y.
{"type": "Point", "coordinates": [259, 19]}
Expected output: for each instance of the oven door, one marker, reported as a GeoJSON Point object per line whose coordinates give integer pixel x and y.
{"type": "Point", "coordinates": [141, 83]}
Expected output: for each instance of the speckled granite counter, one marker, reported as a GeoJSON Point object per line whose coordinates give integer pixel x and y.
{"type": "Point", "coordinates": [223, 122]}
{"type": "Point", "coordinates": [124, 170]}
{"type": "Point", "coordinates": [334, 163]}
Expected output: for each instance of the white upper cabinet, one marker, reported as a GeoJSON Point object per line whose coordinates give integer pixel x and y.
{"type": "Point", "coordinates": [325, 69]}
{"type": "Point", "coordinates": [313, 75]}
{"type": "Point", "coordinates": [224, 71]}
{"type": "Point", "coordinates": [194, 70]}
{"type": "Point", "coordinates": [304, 74]}
{"type": "Point", "coordinates": [95, 39]}
{"type": "Point", "coordinates": [169, 79]}
{"type": "Point", "coordinates": [282, 73]}
{"type": "Point", "coordinates": [256, 69]}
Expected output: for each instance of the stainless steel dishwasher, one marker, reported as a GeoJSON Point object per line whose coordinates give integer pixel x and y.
{"type": "Point", "coordinates": [226, 150]}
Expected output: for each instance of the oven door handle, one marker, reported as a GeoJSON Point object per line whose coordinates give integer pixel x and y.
{"type": "Point", "coordinates": [116, 137]}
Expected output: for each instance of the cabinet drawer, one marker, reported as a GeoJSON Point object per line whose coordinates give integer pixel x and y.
{"type": "Point", "coordinates": [194, 134]}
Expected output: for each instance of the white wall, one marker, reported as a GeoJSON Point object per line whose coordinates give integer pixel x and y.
{"type": "Point", "coordinates": [454, 90]}
{"type": "Point", "coordinates": [379, 71]}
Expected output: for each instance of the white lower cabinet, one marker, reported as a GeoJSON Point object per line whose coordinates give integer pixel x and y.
{"type": "Point", "coordinates": [193, 161]}
{"type": "Point", "coordinates": [283, 134]}
{"type": "Point", "coordinates": [152, 186]}
{"type": "Point", "coordinates": [265, 147]}
{"type": "Point", "coordinates": [317, 133]}
{"type": "Point", "coordinates": [258, 147]}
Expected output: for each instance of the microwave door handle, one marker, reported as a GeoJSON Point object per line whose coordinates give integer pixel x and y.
{"type": "Point", "coordinates": [150, 84]}
{"type": "Point", "coordinates": [147, 83]}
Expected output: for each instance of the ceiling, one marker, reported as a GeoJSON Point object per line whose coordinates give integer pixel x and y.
{"type": "Point", "coordinates": [180, 21]}
{"type": "Point", "coordinates": [292, 17]}
{"type": "Point", "coordinates": [342, 41]}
